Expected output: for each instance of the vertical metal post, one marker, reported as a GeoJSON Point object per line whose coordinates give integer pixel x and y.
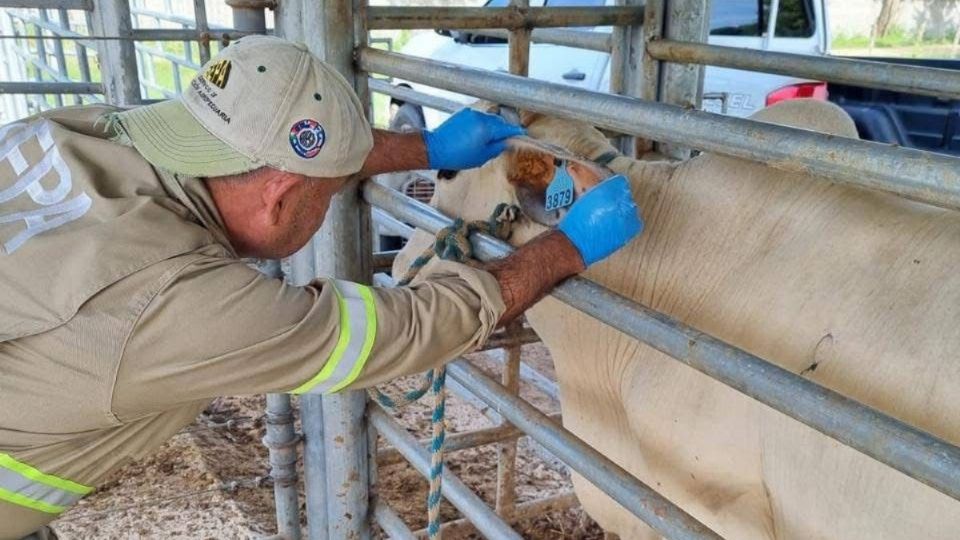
{"type": "Point", "coordinates": [60, 56]}
{"type": "Point", "coordinates": [626, 58]}
{"type": "Point", "coordinates": [342, 249]}
{"type": "Point", "coordinates": [42, 57]}
{"type": "Point", "coordinates": [314, 465]}
{"type": "Point", "coordinates": [288, 20]}
{"type": "Point", "coordinates": [677, 84]}
{"type": "Point", "coordinates": [200, 16]}
{"type": "Point", "coordinates": [519, 41]}
{"type": "Point", "coordinates": [282, 440]}
{"type": "Point", "coordinates": [117, 57]}
{"type": "Point", "coordinates": [507, 451]}
{"type": "Point", "coordinates": [248, 16]}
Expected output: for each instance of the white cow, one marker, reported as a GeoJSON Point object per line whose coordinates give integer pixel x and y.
{"type": "Point", "coordinates": [854, 289]}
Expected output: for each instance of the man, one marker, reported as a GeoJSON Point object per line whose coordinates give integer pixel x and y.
{"type": "Point", "coordinates": [125, 306]}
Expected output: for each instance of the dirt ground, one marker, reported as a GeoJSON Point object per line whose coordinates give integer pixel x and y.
{"type": "Point", "coordinates": [210, 481]}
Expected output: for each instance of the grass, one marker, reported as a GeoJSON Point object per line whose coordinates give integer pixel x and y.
{"type": "Point", "coordinates": [897, 37]}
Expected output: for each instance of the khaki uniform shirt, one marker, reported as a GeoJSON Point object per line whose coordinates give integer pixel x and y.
{"type": "Point", "coordinates": [125, 311]}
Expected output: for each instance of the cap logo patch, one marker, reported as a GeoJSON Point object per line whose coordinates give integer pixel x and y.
{"type": "Point", "coordinates": [218, 73]}
{"type": "Point", "coordinates": [307, 138]}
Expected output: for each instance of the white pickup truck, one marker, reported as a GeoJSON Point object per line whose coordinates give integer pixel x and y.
{"type": "Point", "coordinates": [796, 26]}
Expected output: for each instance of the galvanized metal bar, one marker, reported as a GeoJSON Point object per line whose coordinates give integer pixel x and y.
{"type": "Point", "coordinates": [460, 441]}
{"type": "Point", "coordinates": [83, 61]}
{"type": "Point", "coordinates": [914, 174]}
{"type": "Point", "coordinates": [314, 465]}
{"type": "Point", "coordinates": [373, 466]}
{"type": "Point", "coordinates": [926, 81]}
{"type": "Point", "coordinates": [64, 19]}
{"type": "Point", "coordinates": [60, 34]}
{"type": "Point", "coordinates": [383, 260]}
{"type": "Point", "coordinates": [59, 55]}
{"type": "Point", "coordinates": [419, 98]}
{"type": "Point", "coordinates": [85, 5]}
{"type": "Point", "coordinates": [117, 58]}
{"type": "Point", "coordinates": [652, 30]}
{"type": "Point", "coordinates": [180, 34]}
{"type": "Point", "coordinates": [519, 44]}
{"type": "Point", "coordinates": [634, 495]}
{"type": "Point", "coordinates": [281, 440]}
{"type": "Point", "coordinates": [457, 18]}
{"type": "Point", "coordinates": [12, 87]}
{"type": "Point", "coordinates": [506, 496]}
{"type": "Point", "coordinates": [504, 338]}
{"type": "Point", "coordinates": [461, 528]}
{"type": "Point", "coordinates": [579, 39]}
{"type": "Point", "coordinates": [454, 490]}
{"type": "Point", "coordinates": [41, 63]}
{"type": "Point", "coordinates": [391, 523]}
{"type": "Point", "coordinates": [342, 249]}
{"type": "Point", "coordinates": [917, 454]}
{"type": "Point", "coordinates": [41, 67]}
{"type": "Point", "coordinates": [158, 16]}
{"type": "Point", "coordinates": [200, 17]}
{"type": "Point", "coordinates": [682, 84]}
{"type": "Point", "coordinates": [288, 19]}
{"type": "Point", "coordinates": [625, 69]}
{"type": "Point", "coordinates": [538, 380]}
{"type": "Point", "coordinates": [347, 468]}
{"type": "Point", "coordinates": [391, 224]}
{"type": "Point", "coordinates": [248, 16]}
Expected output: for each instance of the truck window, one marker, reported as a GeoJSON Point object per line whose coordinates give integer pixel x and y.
{"type": "Point", "coordinates": [749, 18]}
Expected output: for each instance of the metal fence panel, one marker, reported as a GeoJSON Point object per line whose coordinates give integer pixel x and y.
{"type": "Point", "coordinates": [915, 174]}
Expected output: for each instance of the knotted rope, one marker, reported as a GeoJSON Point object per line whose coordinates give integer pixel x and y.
{"type": "Point", "coordinates": [452, 243]}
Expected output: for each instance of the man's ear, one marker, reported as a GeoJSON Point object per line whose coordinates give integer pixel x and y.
{"type": "Point", "coordinates": [276, 192]}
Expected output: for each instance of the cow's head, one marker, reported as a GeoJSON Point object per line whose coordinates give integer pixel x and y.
{"type": "Point", "coordinates": [523, 173]}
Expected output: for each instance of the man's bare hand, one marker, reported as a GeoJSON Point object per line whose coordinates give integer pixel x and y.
{"type": "Point", "coordinates": [531, 272]}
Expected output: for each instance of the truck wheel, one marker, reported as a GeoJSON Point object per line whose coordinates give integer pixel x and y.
{"type": "Point", "coordinates": [408, 117]}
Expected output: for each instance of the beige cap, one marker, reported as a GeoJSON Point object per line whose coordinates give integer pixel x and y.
{"type": "Point", "coordinates": [262, 101]}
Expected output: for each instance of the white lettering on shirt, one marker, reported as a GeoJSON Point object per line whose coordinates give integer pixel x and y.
{"type": "Point", "coordinates": [53, 211]}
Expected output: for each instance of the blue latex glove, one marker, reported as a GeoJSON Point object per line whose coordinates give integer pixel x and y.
{"type": "Point", "coordinates": [602, 220]}
{"type": "Point", "coordinates": [468, 139]}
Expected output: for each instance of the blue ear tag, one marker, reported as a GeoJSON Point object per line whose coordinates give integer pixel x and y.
{"type": "Point", "coordinates": [560, 190]}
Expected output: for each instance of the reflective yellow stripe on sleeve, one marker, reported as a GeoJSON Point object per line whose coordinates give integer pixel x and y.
{"type": "Point", "coordinates": [26, 486]}
{"type": "Point", "coordinates": [358, 331]}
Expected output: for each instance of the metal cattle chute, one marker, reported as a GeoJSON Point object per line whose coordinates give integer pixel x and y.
{"type": "Point", "coordinates": [658, 50]}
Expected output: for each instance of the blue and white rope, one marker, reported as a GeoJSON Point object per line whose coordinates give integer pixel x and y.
{"type": "Point", "coordinates": [452, 243]}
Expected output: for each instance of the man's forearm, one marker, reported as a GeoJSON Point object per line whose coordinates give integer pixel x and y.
{"type": "Point", "coordinates": [532, 271]}
{"type": "Point", "coordinates": [393, 152]}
